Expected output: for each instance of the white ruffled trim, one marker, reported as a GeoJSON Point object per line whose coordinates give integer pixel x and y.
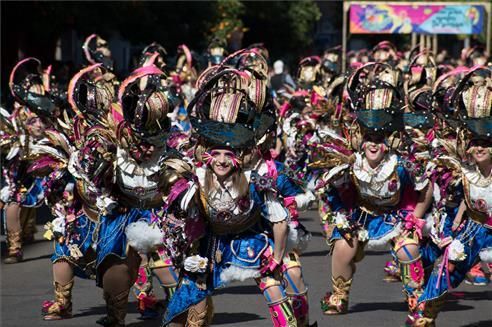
{"type": "Point", "coordinates": [69, 187]}
{"type": "Point", "coordinates": [364, 173]}
{"type": "Point", "coordinates": [313, 181]}
{"type": "Point", "coordinates": [383, 242]}
{"type": "Point", "coordinates": [235, 273]}
{"type": "Point", "coordinates": [4, 113]}
{"type": "Point", "coordinates": [486, 255]}
{"type": "Point", "coordinates": [472, 174]}
{"type": "Point", "coordinates": [40, 196]}
{"type": "Point", "coordinates": [276, 212]}
{"type": "Point", "coordinates": [143, 237]}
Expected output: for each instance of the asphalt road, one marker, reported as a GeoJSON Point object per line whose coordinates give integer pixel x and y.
{"type": "Point", "coordinates": [373, 302]}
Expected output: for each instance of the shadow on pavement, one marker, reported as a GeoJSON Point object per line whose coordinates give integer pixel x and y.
{"type": "Point", "coordinates": [246, 289]}
{"type": "Point", "coordinates": [92, 311]}
{"type": "Point", "coordinates": [101, 310]}
{"type": "Point", "coordinates": [231, 318]}
{"type": "Point", "coordinates": [147, 323]}
{"type": "Point", "coordinates": [316, 234]}
{"type": "Point", "coordinates": [401, 306]}
{"type": "Point", "coordinates": [470, 296]}
{"type": "Point", "coordinates": [376, 306]}
{"type": "Point", "coordinates": [45, 256]}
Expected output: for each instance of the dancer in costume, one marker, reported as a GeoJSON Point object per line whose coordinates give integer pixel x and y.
{"type": "Point", "coordinates": [372, 197]}
{"type": "Point", "coordinates": [96, 51]}
{"type": "Point", "coordinates": [147, 303]}
{"type": "Point", "coordinates": [419, 132]}
{"type": "Point", "coordinates": [469, 221]}
{"type": "Point", "coordinates": [243, 213]}
{"type": "Point", "coordinates": [78, 156]}
{"type": "Point", "coordinates": [33, 113]}
{"type": "Point", "coordinates": [157, 263]}
{"type": "Point", "coordinates": [143, 206]}
{"type": "Point", "coordinates": [289, 187]}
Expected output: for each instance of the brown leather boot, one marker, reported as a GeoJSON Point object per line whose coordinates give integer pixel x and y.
{"type": "Point", "coordinates": [116, 306]}
{"type": "Point", "coordinates": [61, 307]}
{"type": "Point", "coordinates": [14, 240]}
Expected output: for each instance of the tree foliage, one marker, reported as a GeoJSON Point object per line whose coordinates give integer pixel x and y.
{"type": "Point", "coordinates": [286, 27]}
{"type": "Point", "coordinates": [228, 19]}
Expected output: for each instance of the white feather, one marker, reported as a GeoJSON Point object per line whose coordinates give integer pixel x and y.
{"type": "Point", "coordinates": [298, 239]}
{"type": "Point", "coordinates": [235, 273]}
{"type": "Point", "coordinates": [143, 237]}
{"type": "Point", "coordinates": [4, 113]}
{"type": "Point", "coordinates": [292, 239]}
{"type": "Point", "coordinates": [486, 255]}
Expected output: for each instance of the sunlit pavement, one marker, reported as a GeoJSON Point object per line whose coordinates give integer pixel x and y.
{"type": "Point", "coordinates": [372, 301]}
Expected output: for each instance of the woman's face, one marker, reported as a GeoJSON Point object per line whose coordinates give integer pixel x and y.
{"type": "Point", "coordinates": [374, 149]}
{"type": "Point", "coordinates": [222, 163]}
{"type": "Point", "coordinates": [35, 127]}
{"type": "Point", "coordinates": [480, 152]}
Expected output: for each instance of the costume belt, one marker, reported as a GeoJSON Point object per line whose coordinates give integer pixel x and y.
{"type": "Point", "coordinates": [480, 217]}
{"type": "Point", "coordinates": [374, 209]}
{"type": "Point", "coordinates": [236, 224]}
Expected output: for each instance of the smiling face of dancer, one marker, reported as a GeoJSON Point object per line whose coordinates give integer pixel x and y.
{"type": "Point", "coordinates": [480, 151]}
{"type": "Point", "coordinates": [374, 149]}
{"type": "Point", "coordinates": [222, 164]}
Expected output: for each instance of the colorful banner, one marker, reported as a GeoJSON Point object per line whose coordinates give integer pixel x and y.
{"type": "Point", "coordinates": [418, 18]}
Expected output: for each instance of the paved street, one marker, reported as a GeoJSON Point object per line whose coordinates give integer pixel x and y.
{"type": "Point", "coordinates": [372, 302]}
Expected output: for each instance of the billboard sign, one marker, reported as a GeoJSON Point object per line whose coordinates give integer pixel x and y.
{"type": "Point", "coordinates": [430, 18]}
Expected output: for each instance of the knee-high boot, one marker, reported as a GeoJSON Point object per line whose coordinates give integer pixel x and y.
{"type": "Point", "coordinates": [336, 302]}
{"type": "Point", "coordinates": [61, 307]}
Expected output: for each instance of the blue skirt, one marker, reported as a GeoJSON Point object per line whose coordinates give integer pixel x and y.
{"type": "Point", "coordinates": [112, 239]}
{"type": "Point", "coordinates": [229, 255]}
{"type": "Point", "coordinates": [82, 238]}
{"type": "Point", "coordinates": [35, 195]}
{"type": "Point", "coordinates": [377, 226]}
{"type": "Point", "coordinates": [475, 238]}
